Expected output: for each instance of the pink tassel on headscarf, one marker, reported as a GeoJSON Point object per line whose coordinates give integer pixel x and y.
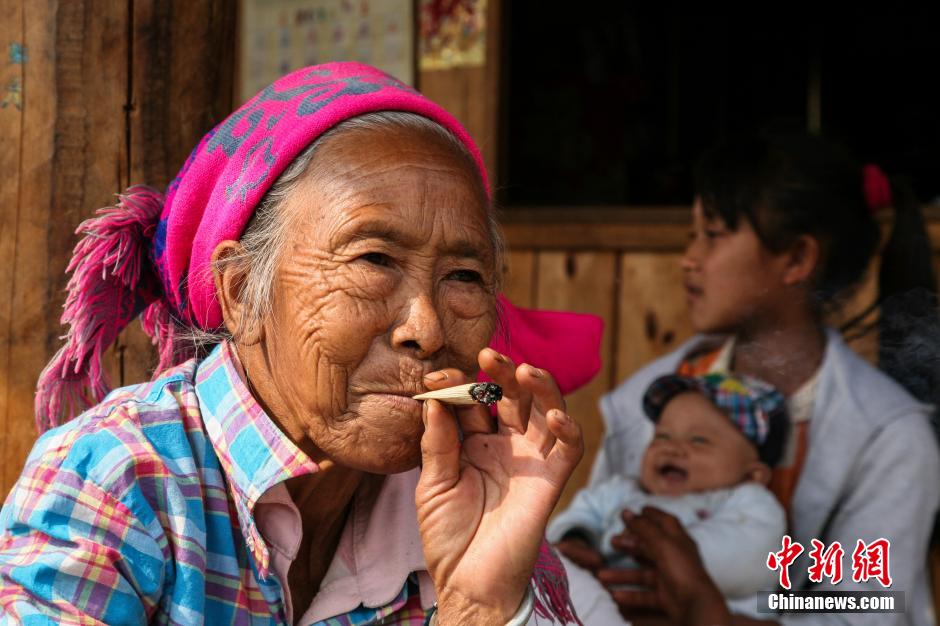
{"type": "Point", "coordinates": [111, 282]}
{"type": "Point", "coordinates": [552, 599]}
{"type": "Point", "coordinates": [157, 322]}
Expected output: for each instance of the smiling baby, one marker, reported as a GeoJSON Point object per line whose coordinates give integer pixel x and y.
{"type": "Point", "coordinates": [716, 439]}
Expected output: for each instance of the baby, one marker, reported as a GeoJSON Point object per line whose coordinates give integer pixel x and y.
{"type": "Point", "coordinates": [716, 439]}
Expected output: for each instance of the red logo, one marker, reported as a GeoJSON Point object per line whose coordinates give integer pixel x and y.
{"type": "Point", "coordinates": [826, 563]}
{"type": "Point", "coordinates": [782, 560]}
{"type": "Point", "coordinates": [871, 561]}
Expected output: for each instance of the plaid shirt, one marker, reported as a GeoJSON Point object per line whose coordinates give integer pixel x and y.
{"type": "Point", "coordinates": [141, 510]}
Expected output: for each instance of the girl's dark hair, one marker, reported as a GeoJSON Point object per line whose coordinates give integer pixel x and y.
{"type": "Point", "coordinates": [791, 185]}
{"type": "Point", "coordinates": [787, 186]}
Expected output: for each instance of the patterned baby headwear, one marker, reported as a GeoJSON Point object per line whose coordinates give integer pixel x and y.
{"type": "Point", "coordinates": [754, 407]}
{"type": "Point", "coordinates": [150, 254]}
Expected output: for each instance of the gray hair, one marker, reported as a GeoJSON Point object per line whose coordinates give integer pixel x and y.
{"type": "Point", "coordinates": [264, 239]}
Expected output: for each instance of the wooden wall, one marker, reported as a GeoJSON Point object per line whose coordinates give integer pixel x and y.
{"type": "Point", "coordinates": [97, 94]}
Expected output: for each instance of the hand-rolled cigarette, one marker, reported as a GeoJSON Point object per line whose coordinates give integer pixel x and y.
{"type": "Point", "coordinates": [472, 393]}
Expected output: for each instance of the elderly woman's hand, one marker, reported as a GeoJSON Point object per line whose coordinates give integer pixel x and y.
{"type": "Point", "coordinates": [483, 504]}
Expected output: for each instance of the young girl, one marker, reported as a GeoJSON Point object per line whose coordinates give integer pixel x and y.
{"type": "Point", "coordinates": [782, 227]}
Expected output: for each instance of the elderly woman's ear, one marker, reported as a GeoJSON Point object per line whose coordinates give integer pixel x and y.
{"type": "Point", "coordinates": [230, 276]}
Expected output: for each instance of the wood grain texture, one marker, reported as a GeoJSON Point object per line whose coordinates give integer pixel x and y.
{"type": "Point", "coordinates": [90, 164]}
{"type": "Point", "coordinates": [182, 76]}
{"type": "Point", "coordinates": [651, 317]}
{"type": "Point", "coordinates": [111, 93]}
{"type": "Point", "coordinates": [69, 162]}
{"type": "Point", "coordinates": [582, 282]}
{"type": "Point", "coordinates": [11, 129]}
{"type": "Point", "coordinates": [181, 85]}
{"type": "Point", "coordinates": [520, 281]}
{"type": "Point", "coordinates": [36, 271]}
{"type": "Point", "coordinates": [627, 233]}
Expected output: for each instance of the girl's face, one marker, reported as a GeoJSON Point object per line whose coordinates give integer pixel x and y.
{"type": "Point", "coordinates": [731, 280]}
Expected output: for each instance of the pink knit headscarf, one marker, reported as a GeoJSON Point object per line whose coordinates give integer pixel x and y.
{"type": "Point", "coordinates": [150, 254]}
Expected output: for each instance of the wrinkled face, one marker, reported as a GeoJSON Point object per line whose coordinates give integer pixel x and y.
{"type": "Point", "coordinates": [695, 448]}
{"type": "Point", "coordinates": [389, 275]}
{"type": "Point", "coordinates": [730, 278]}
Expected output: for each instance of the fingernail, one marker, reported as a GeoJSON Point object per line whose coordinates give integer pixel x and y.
{"type": "Point", "coordinates": [424, 413]}
{"type": "Point", "coordinates": [534, 371]}
{"type": "Point", "coordinates": [500, 357]}
{"type": "Point", "coordinates": [434, 377]}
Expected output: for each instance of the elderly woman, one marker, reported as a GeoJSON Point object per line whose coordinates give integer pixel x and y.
{"type": "Point", "coordinates": [332, 248]}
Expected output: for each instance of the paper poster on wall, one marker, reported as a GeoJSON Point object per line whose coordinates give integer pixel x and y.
{"type": "Point", "coordinates": [277, 36]}
{"type": "Point", "coordinates": [452, 33]}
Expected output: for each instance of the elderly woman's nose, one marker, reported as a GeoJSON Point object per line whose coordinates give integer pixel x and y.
{"type": "Point", "coordinates": [421, 329]}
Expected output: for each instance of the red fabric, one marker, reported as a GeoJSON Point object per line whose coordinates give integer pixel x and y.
{"type": "Point", "coordinates": [877, 188]}
{"type": "Point", "coordinates": [565, 344]}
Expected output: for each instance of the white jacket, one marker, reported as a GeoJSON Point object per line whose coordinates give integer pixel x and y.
{"type": "Point", "coordinates": [734, 530]}
{"type": "Point", "coordinates": [872, 470]}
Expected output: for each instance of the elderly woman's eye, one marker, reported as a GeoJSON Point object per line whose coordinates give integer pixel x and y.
{"type": "Point", "coordinates": [466, 276]}
{"type": "Point", "coordinates": [377, 258]}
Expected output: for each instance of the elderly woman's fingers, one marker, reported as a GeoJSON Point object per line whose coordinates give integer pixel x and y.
{"type": "Point", "coordinates": [513, 409]}
{"type": "Point", "coordinates": [440, 450]}
{"type": "Point", "coordinates": [472, 419]}
{"type": "Point", "coordinates": [568, 446]}
{"type": "Point", "coordinates": [545, 398]}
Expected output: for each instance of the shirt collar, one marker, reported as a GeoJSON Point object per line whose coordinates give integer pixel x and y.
{"type": "Point", "coordinates": [255, 455]}
{"type": "Point", "coordinates": [722, 362]}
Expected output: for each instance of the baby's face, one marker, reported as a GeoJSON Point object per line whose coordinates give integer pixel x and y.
{"type": "Point", "coordinates": [696, 448]}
